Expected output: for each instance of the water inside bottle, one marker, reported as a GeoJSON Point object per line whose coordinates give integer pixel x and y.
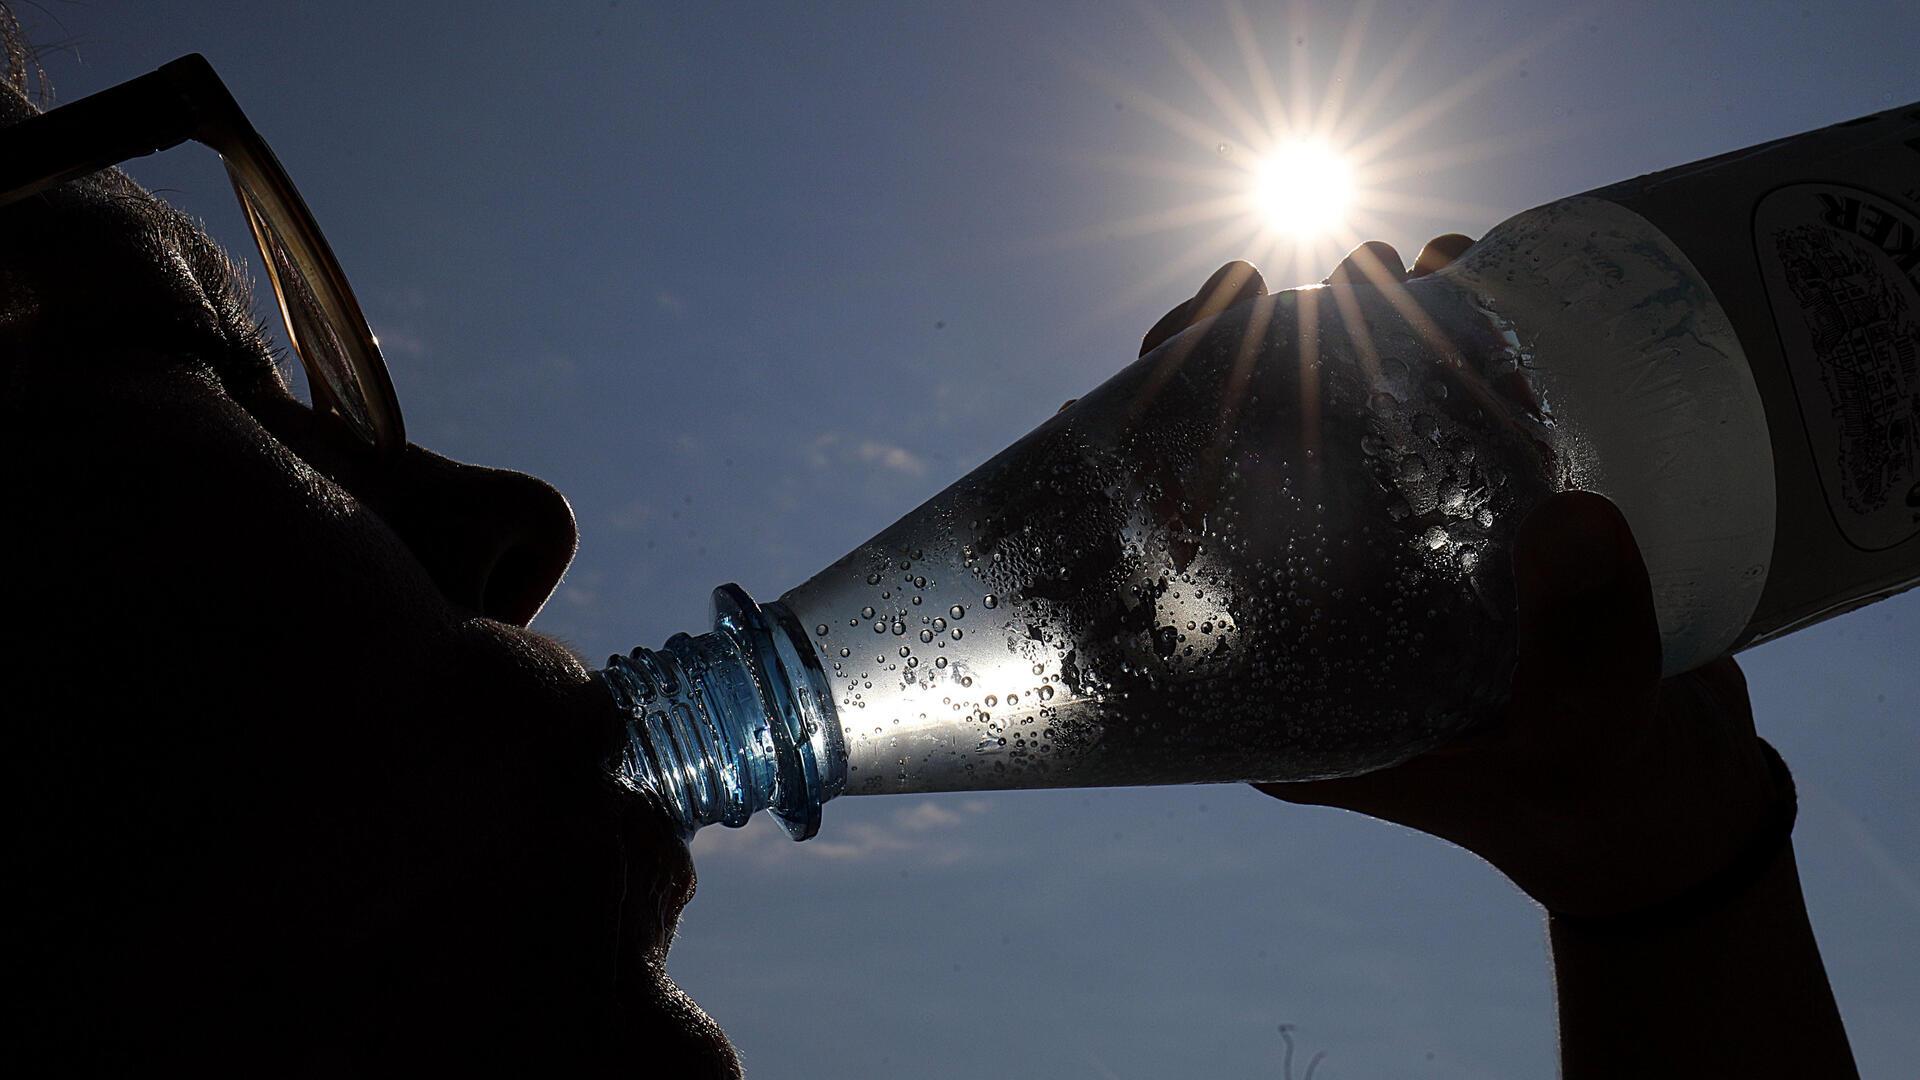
{"type": "Point", "coordinates": [1273, 549]}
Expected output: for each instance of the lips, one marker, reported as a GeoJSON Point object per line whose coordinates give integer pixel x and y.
{"type": "Point", "coordinates": [659, 875]}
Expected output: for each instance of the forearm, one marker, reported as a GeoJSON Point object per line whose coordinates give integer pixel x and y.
{"type": "Point", "coordinates": [1736, 991]}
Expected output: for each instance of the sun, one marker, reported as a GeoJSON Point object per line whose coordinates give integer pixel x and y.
{"type": "Point", "coordinates": [1303, 188]}
{"type": "Point", "coordinates": [1286, 175]}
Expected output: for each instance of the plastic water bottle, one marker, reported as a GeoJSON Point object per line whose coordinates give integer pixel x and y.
{"type": "Point", "coordinates": [1276, 548]}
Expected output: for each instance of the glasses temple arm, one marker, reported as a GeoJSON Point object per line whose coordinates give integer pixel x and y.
{"type": "Point", "coordinates": [142, 116]}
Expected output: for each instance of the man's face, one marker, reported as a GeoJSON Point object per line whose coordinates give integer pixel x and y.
{"type": "Point", "coordinates": [295, 778]}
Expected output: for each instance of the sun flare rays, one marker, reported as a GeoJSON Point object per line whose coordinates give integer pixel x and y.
{"type": "Point", "coordinates": [1292, 179]}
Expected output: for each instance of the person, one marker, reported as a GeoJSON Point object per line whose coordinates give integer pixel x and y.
{"type": "Point", "coordinates": [295, 789]}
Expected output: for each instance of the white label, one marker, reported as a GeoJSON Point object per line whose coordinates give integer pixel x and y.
{"type": "Point", "coordinates": [1842, 268]}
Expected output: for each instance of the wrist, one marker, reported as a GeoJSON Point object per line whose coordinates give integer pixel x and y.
{"type": "Point", "coordinates": [1754, 861]}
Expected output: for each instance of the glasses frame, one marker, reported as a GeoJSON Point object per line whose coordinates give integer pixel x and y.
{"type": "Point", "coordinates": [185, 101]}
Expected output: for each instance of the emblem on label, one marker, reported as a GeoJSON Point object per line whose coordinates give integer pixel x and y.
{"type": "Point", "coordinates": [1842, 268]}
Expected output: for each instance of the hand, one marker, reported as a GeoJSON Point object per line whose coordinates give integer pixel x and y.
{"type": "Point", "coordinates": [1601, 789]}
{"type": "Point", "coordinates": [1238, 281]}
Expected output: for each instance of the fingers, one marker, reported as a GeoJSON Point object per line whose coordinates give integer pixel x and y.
{"type": "Point", "coordinates": [1439, 251]}
{"type": "Point", "coordinates": [1229, 285]}
{"type": "Point", "coordinates": [1375, 262]}
{"type": "Point", "coordinates": [1588, 638]}
{"type": "Point", "coordinates": [1372, 263]}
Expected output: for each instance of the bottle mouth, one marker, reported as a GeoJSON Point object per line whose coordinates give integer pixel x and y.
{"type": "Point", "coordinates": [797, 703]}
{"type": "Point", "coordinates": [731, 722]}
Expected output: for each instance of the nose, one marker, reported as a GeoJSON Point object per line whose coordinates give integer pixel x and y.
{"type": "Point", "coordinates": [494, 540]}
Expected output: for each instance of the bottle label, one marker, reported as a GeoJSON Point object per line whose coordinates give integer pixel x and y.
{"type": "Point", "coordinates": [1842, 269]}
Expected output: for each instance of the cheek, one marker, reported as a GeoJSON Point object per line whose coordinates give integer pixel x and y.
{"type": "Point", "coordinates": [168, 523]}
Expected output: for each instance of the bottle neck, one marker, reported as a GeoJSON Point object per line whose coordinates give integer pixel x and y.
{"type": "Point", "coordinates": [731, 722]}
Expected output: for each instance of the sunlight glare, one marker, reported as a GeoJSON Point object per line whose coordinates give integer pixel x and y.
{"type": "Point", "coordinates": [1304, 188]}
{"type": "Point", "coordinates": [1287, 178]}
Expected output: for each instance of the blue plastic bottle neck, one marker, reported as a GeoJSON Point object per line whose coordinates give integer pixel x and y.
{"type": "Point", "coordinates": [731, 722]}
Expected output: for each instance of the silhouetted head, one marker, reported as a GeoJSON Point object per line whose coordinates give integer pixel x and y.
{"type": "Point", "coordinates": [291, 782]}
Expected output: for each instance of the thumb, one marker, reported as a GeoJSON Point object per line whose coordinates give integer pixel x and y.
{"type": "Point", "coordinates": [1589, 641]}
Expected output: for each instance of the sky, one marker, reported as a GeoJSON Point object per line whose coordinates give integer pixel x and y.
{"type": "Point", "coordinates": [747, 281]}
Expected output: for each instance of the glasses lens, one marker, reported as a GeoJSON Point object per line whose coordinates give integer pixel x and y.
{"type": "Point", "coordinates": [312, 315]}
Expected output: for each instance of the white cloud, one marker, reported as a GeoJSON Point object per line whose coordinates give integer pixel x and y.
{"type": "Point", "coordinates": [921, 832]}
{"type": "Point", "coordinates": [829, 451]}
{"type": "Point", "coordinates": [924, 816]}
{"type": "Point", "coordinates": [817, 452]}
{"type": "Point", "coordinates": [886, 455]}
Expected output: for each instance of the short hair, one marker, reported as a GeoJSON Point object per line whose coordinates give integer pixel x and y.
{"type": "Point", "coordinates": [24, 73]}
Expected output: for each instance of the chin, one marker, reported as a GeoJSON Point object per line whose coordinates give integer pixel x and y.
{"type": "Point", "coordinates": [679, 1039]}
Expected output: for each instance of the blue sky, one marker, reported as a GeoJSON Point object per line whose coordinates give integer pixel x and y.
{"type": "Point", "coordinates": [748, 281]}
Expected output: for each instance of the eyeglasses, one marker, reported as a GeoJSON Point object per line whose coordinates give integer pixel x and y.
{"type": "Point", "coordinates": [184, 101]}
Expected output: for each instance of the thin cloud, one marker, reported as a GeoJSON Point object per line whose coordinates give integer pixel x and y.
{"type": "Point", "coordinates": [919, 833]}
{"type": "Point", "coordinates": [830, 451]}
{"type": "Point", "coordinates": [401, 343]}
{"type": "Point", "coordinates": [886, 455]}
{"type": "Point", "coordinates": [582, 589]}
{"type": "Point", "coordinates": [635, 515]}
